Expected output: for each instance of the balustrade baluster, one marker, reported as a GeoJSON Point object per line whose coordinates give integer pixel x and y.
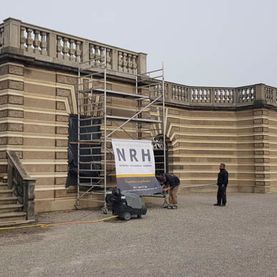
{"type": "Point", "coordinates": [65, 49]}
{"type": "Point", "coordinates": [108, 58]}
{"type": "Point", "coordinates": [43, 43]}
{"type": "Point", "coordinates": [102, 56]}
{"type": "Point", "coordinates": [29, 40]}
{"type": "Point", "coordinates": [134, 64]}
{"type": "Point", "coordinates": [59, 48]}
{"type": "Point", "coordinates": [97, 55]}
{"type": "Point", "coordinates": [78, 51]}
{"type": "Point", "coordinates": [120, 61]}
{"type": "Point", "coordinates": [125, 63]}
{"type": "Point", "coordinates": [72, 50]}
{"type": "Point", "coordinates": [92, 54]}
{"type": "Point", "coordinates": [36, 42]}
{"type": "Point", "coordinates": [130, 65]}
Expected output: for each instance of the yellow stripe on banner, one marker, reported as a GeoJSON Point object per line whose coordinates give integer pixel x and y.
{"type": "Point", "coordinates": [134, 175]}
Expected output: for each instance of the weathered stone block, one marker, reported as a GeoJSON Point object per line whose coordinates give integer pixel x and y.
{"type": "Point", "coordinates": [16, 85]}
{"type": "Point", "coordinates": [14, 113]}
{"type": "Point", "coordinates": [4, 69]}
{"type": "Point", "coordinates": [18, 127]}
{"type": "Point", "coordinates": [15, 140]}
{"type": "Point", "coordinates": [61, 142]}
{"type": "Point", "coordinates": [260, 112]}
{"type": "Point", "coordinates": [16, 70]}
{"type": "Point", "coordinates": [61, 118]}
{"type": "Point", "coordinates": [61, 155]}
{"type": "Point", "coordinates": [11, 140]}
{"type": "Point", "coordinates": [260, 137]}
{"type": "Point", "coordinates": [3, 155]}
{"type": "Point", "coordinates": [261, 145]}
{"type": "Point", "coordinates": [3, 168]}
{"type": "Point", "coordinates": [3, 113]}
{"type": "Point", "coordinates": [60, 181]}
{"type": "Point", "coordinates": [261, 152]}
{"type": "Point", "coordinates": [66, 93]}
{"type": "Point", "coordinates": [3, 127]}
{"type": "Point", "coordinates": [260, 129]}
{"type": "Point", "coordinates": [262, 160]}
{"type": "Point", "coordinates": [175, 112]}
{"type": "Point", "coordinates": [15, 99]}
{"type": "Point", "coordinates": [60, 106]}
{"type": "Point", "coordinates": [4, 84]}
{"type": "Point", "coordinates": [260, 176]}
{"type": "Point", "coordinates": [62, 92]}
{"type": "Point", "coordinates": [3, 140]}
{"type": "Point", "coordinates": [67, 79]}
{"type": "Point", "coordinates": [61, 167]}
{"type": "Point", "coordinates": [62, 130]}
{"type": "Point", "coordinates": [262, 168]}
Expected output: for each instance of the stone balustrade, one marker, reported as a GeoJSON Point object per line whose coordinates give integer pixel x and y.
{"type": "Point", "coordinates": [34, 41]}
{"type": "Point", "coordinates": [220, 96]}
{"type": "Point", "coordinates": [17, 37]}
{"type": "Point", "coordinates": [56, 47]}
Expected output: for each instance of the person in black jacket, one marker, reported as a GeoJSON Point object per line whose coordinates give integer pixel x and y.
{"type": "Point", "coordinates": [222, 182]}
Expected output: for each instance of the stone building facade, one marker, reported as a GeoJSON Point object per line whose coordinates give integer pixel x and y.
{"type": "Point", "coordinates": [205, 125]}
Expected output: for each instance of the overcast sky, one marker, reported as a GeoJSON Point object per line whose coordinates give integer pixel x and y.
{"type": "Point", "coordinates": [201, 42]}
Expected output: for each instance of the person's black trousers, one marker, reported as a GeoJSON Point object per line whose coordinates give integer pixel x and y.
{"type": "Point", "coordinates": [221, 195]}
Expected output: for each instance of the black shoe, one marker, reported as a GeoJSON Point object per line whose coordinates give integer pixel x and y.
{"type": "Point", "coordinates": [217, 204]}
{"type": "Point", "coordinates": [223, 205]}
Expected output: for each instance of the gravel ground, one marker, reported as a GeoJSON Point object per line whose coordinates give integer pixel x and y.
{"type": "Point", "coordinates": [197, 239]}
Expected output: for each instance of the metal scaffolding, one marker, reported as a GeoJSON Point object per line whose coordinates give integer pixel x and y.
{"type": "Point", "coordinates": [99, 120]}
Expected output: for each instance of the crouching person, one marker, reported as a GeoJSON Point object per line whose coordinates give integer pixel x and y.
{"type": "Point", "coordinates": [170, 185]}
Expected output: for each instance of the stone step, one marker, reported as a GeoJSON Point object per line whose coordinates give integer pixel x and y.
{"type": "Point", "coordinates": [12, 216]}
{"type": "Point", "coordinates": [17, 222]}
{"type": "Point", "coordinates": [6, 192]}
{"type": "Point", "coordinates": [8, 200]}
{"type": "Point", "coordinates": [10, 208]}
{"type": "Point", "coordinates": [3, 186]}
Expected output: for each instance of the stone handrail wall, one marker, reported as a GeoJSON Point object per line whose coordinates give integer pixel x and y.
{"type": "Point", "coordinates": [22, 184]}
{"type": "Point", "coordinates": [64, 49]}
{"type": "Point", "coordinates": [49, 45]}
{"type": "Point", "coordinates": [219, 96]}
{"type": "Point", "coordinates": [200, 96]}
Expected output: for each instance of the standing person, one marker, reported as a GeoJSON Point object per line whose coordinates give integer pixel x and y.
{"type": "Point", "coordinates": [222, 182]}
{"type": "Point", "coordinates": [170, 184]}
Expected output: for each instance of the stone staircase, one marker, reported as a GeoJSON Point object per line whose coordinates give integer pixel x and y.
{"type": "Point", "coordinates": [11, 211]}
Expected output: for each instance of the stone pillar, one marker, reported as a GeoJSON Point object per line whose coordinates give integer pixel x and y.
{"type": "Point", "coordinates": [85, 51]}
{"type": "Point", "coordinates": [52, 46]}
{"type": "Point", "coordinates": [260, 94]}
{"type": "Point", "coordinates": [261, 151]}
{"type": "Point", "coordinates": [142, 63]}
{"type": "Point", "coordinates": [115, 59]}
{"type": "Point", "coordinates": [29, 198]}
{"type": "Point", "coordinates": [169, 92]}
{"type": "Point", "coordinates": [12, 35]}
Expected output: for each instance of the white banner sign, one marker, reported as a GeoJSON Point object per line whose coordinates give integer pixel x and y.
{"type": "Point", "coordinates": [135, 166]}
